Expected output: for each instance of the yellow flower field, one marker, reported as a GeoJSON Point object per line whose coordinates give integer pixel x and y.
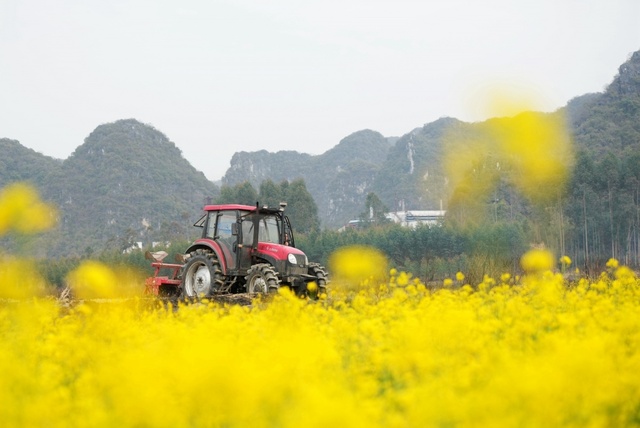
{"type": "Point", "coordinates": [389, 353]}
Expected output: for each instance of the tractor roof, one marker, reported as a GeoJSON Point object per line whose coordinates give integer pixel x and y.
{"type": "Point", "coordinates": [229, 207]}
{"type": "Point", "coordinates": [240, 207]}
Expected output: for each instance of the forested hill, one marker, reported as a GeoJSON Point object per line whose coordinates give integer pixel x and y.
{"type": "Point", "coordinates": [18, 163]}
{"type": "Point", "coordinates": [336, 178]}
{"type": "Point", "coordinates": [610, 121]}
{"type": "Point", "coordinates": [408, 172]}
{"type": "Point", "coordinates": [126, 183]}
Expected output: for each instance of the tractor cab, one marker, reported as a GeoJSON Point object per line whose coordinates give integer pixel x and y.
{"type": "Point", "coordinates": [245, 233]}
{"type": "Point", "coordinates": [246, 248]}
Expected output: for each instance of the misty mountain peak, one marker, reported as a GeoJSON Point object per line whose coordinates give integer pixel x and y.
{"type": "Point", "coordinates": [627, 82]}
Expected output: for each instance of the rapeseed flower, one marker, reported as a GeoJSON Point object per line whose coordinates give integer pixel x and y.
{"type": "Point", "coordinates": [537, 261]}
{"type": "Point", "coordinates": [22, 210]}
{"type": "Point", "coordinates": [612, 263]}
{"type": "Point", "coordinates": [531, 151]}
{"type": "Point", "coordinates": [491, 357]}
{"type": "Point", "coordinates": [565, 261]}
{"type": "Point", "coordinates": [95, 280]}
{"type": "Point", "coordinates": [357, 266]}
{"type": "Point", "coordinates": [19, 279]}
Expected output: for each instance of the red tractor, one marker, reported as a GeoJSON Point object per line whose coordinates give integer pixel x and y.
{"type": "Point", "coordinates": [243, 249]}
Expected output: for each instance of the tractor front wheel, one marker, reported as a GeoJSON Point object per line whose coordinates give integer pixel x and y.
{"type": "Point", "coordinates": [261, 278]}
{"type": "Point", "coordinates": [201, 275]}
{"type": "Point", "coordinates": [322, 277]}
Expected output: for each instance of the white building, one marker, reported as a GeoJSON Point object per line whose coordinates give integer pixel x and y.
{"type": "Point", "coordinates": [410, 218]}
{"type": "Point", "coordinates": [413, 218]}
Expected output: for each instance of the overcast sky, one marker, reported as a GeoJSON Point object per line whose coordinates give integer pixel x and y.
{"type": "Point", "coordinates": [219, 76]}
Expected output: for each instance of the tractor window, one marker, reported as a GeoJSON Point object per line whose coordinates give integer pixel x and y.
{"type": "Point", "coordinates": [269, 230]}
{"type": "Point", "coordinates": [211, 227]}
{"type": "Point", "coordinates": [225, 220]}
{"type": "Point", "coordinates": [200, 222]}
{"type": "Point", "coordinates": [247, 231]}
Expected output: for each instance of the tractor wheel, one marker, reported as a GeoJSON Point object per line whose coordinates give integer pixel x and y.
{"type": "Point", "coordinates": [261, 278]}
{"type": "Point", "coordinates": [201, 275]}
{"type": "Point", "coordinates": [322, 277]}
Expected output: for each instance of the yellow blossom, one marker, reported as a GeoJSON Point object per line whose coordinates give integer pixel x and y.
{"type": "Point", "coordinates": [536, 261]}
{"type": "Point", "coordinates": [612, 263]}
{"type": "Point", "coordinates": [22, 210]}
{"type": "Point", "coordinates": [565, 261]}
{"type": "Point", "coordinates": [356, 265]}
{"type": "Point", "coordinates": [485, 355]}
{"type": "Point", "coordinates": [312, 286]}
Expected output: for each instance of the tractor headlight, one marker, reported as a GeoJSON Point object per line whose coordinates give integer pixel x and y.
{"type": "Point", "coordinates": [292, 259]}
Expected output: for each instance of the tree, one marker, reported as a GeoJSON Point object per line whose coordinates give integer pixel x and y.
{"type": "Point", "coordinates": [375, 211]}
{"type": "Point", "coordinates": [242, 193]}
{"type": "Point", "coordinates": [270, 194]}
{"type": "Point", "coordinates": [301, 207]}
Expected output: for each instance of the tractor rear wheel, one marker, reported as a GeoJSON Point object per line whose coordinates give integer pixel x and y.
{"type": "Point", "coordinates": [201, 275]}
{"type": "Point", "coordinates": [261, 278]}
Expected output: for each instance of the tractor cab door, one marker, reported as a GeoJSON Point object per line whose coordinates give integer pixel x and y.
{"type": "Point", "coordinates": [249, 239]}
{"type": "Point", "coordinates": [220, 229]}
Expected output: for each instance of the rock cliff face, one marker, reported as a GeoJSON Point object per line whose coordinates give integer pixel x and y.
{"type": "Point", "coordinates": [127, 182]}
{"type": "Point", "coordinates": [338, 179]}
{"type": "Point", "coordinates": [627, 82]}
{"type": "Point", "coordinates": [129, 176]}
{"type": "Point", "coordinates": [610, 121]}
{"type": "Point", "coordinates": [406, 172]}
{"type": "Point", "coordinates": [256, 167]}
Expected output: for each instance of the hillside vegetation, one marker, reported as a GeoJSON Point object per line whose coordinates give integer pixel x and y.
{"type": "Point", "coordinates": [408, 172]}
{"type": "Point", "coordinates": [128, 183]}
{"type": "Point", "coordinates": [538, 351]}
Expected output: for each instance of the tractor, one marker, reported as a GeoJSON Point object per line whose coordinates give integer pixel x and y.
{"type": "Point", "coordinates": [242, 249]}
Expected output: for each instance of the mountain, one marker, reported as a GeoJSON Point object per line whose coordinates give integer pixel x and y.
{"type": "Point", "coordinates": [337, 179]}
{"type": "Point", "coordinates": [610, 121]}
{"type": "Point", "coordinates": [412, 176]}
{"type": "Point", "coordinates": [19, 163]}
{"type": "Point", "coordinates": [406, 172]}
{"type": "Point", "coordinates": [126, 183]}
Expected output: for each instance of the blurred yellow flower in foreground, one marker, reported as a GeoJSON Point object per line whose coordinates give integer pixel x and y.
{"type": "Point", "coordinates": [93, 280]}
{"type": "Point", "coordinates": [22, 210]}
{"type": "Point", "coordinates": [491, 356]}
{"type": "Point", "coordinates": [565, 261]}
{"type": "Point", "coordinates": [537, 261]}
{"type": "Point", "coordinates": [612, 263]}
{"type": "Point", "coordinates": [531, 151]}
{"type": "Point", "coordinates": [19, 279]}
{"type": "Point", "coordinates": [356, 264]}
{"type": "Point", "coordinates": [538, 149]}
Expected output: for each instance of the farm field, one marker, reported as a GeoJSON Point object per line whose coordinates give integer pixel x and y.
{"type": "Point", "coordinates": [380, 350]}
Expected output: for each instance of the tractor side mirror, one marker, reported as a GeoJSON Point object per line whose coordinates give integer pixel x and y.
{"type": "Point", "coordinates": [234, 229]}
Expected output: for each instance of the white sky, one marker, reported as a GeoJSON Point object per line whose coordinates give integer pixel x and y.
{"type": "Point", "coordinates": [220, 76]}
